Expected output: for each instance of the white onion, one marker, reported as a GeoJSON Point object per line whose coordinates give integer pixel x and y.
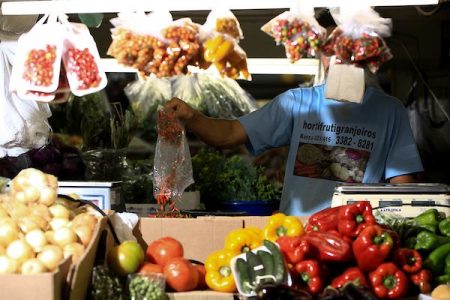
{"type": "Point", "coordinates": [7, 265]}
{"type": "Point", "coordinates": [64, 236]}
{"type": "Point", "coordinates": [59, 211]}
{"type": "Point", "coordinates": [8, 232]}
{"type": "Point", "coordinates": [42, 211]}
{"type": "Point", "coordinates": [36, 239]}
{"type": "Point", "coordinates": [26, 224]}
{"type": "Point", "coordinates": [48, 196]}
{"type": "Point", "coordinates": [57, 223]}
{"type": "Point", "coordinates": [20, 251]}
{"type": "Point", "coordinates": [84, 219]}
{"type": "Point", "coordinates": [50, 256]}
{"type": "Point", "coordinates": [32, 266]}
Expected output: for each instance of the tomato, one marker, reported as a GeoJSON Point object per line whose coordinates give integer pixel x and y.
{"type": "Point", "coordinates": [163, 249]}
{"type": "Point", "coordinates": [147, 267]}
{"type": "Point", "coordinates": [125, 258]}
{"type": "Point", "coordinates": [181, 275]}
{"type": "Point", "coordinates": [201, 285]}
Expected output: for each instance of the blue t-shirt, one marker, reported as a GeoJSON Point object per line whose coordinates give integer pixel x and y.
{"type": "Point", "coordinates": [332, 142]}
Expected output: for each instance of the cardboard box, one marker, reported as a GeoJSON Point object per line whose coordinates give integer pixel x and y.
{"type": "Point", "coordinates": [67, 282]}
{"type": "Point", "coordinates": [199, 236]}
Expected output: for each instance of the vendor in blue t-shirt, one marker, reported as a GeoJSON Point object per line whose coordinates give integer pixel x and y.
{"type": "Point", "coordinates": [329, 141]}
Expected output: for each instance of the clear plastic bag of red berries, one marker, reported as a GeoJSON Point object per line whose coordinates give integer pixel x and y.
{"type": "Point", "coordinates": [358, 38]}
{"type": "Point", "coordinates": [298, 31]}
{"type": "Point", "coordinates": [172, 167]}
{"type": "Point", "coordinates": [137, 40]}
{"type": "Point", "coordinates": [81, 60]}
{"type": "Point", "coordinates": [38, 59]}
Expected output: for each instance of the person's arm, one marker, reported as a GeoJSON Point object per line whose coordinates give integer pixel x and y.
{"type": "Point", "coordinates": [408, 178]}
{"type": "Point", "coordinates": [215, 132]}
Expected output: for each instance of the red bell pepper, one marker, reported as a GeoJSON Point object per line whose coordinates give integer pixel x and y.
{"type": "Point", "coordinates": [409, 260]}
{"type": "Point", "coordinates": [423, 280]}
{"type": "Point", "coordinates": [294, 249]}
{"type": "Point", "coordinates": [324, 220]}
{"type": "Point", "coordinates": [352, 274]}
{"type": "Point", "coordinates": [353, 218]}
{"type": "Point", "coordinates": [388, 281]}
{"type": "Point", "coordinates": [310, 276]}
{"type": "Point", "coordinates": [344, 237]}
{"type": "Point", "coordinates": [372, 246]}
{"type": "Point", "coordinates": [328, 247]}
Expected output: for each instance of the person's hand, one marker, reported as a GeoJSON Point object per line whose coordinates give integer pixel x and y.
{"type": "Point", "coordinates": [182, 111]}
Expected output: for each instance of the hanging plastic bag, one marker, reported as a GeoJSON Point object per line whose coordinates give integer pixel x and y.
{"type": "Point", "coordinates": [23, 123]}
{"type": "Point", "coordinates": [82, 60]}
{"type": "Point", "coordinates": [172, 171]}
{"type": "Point", "coordinates": [223, 21]}
{"type": "Point", "coordinates": [189, 90]}
{"type": "Point", "coordinates": [358, 39]}
{"type": "Point", "coordinates": [224, 98]}
{"type": "Point", "coordinates": [220, 36]}
{"type": "Point", "coordinates": [182, 49]}
{"type": "Point", "coordinates": [38, 59]}
{"type": "Point", "coordinates": [298, 31]}
{"type": "Point", "coordinates": [137, 40]}
{"type": "Point", "coordinates": [145, 95]}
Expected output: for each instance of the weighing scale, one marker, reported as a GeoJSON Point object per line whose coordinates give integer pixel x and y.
{"type": "Point", "coordinates": [406, 199]}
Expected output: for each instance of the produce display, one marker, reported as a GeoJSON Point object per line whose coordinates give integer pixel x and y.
{"type": "Point", "coordinates": [38, 230]}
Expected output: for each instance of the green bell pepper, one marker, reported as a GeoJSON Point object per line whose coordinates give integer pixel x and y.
{"type": "Point", "coordinates": [444, 226]}
{"type": "Point", "coordinates": [427, 240]}
{"type": "Point", "coordinates": [428, 220]}
{"type": "Point", "coordinates": [436, 260]}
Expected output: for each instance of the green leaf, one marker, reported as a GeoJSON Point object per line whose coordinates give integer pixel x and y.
{"type": "Point", "coordinates": [91, 20]}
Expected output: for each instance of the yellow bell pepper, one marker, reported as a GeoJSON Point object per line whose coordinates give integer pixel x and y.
{"type": "Point", "coordinates": [242, 240]}
{"type": "Point", "coordinates": [218, 271]}
{"type": "Point", "coordinates": [281, 225]}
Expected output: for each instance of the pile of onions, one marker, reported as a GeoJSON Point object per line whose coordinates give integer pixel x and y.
{"type": "Point", "coordinates": [37, 230]}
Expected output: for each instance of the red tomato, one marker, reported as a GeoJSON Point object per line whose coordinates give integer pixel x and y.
{"type": "Point", "coordinates": [181, 275]}
{"type": "Point", "coordinates": [147, 268]}
{"type": "Point", "coordinates": [163, 249]}
{"type": "Point", "coordinates": [201, 285]}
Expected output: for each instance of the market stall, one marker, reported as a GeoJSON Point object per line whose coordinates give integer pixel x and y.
{"type": "Point", "coordinates": [121, 201]}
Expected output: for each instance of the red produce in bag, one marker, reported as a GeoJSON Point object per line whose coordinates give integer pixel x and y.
{"type": "Point", "coordinates": [358, 39]}
{"type": "Point", "coordinates": [298, 31]}
{"type": "Point", "coordinates": [82, 60]}
{"type": "Point", "coordinates": [37, 62]}
{"type": "Point", "coordinates": [137, 40]}
{"type": "Point", "coordinates": [172, 169]}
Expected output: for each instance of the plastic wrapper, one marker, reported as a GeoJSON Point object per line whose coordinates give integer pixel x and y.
{"type": "Point", "coordinates": [82, 61]}
{"type": "Point", "coordinates": [220, 36]}
{"type": "Point", "coordinates": [188, 88]}
{"type": "Point", "coordinates": [182, 49]}
{"type": "Point", "coordinates": [224, 98]}
{"type": "Point", "coordinates": [137, 40]}
{"type": "Point", "coordinates": [358, 39]}
{"type": "Point", "coordinates": [149, 286]}
{"type": "Point", "coordinates": [38, 59]}
{"type": "Point", "coordinates": [172, 171]}
{"type": "Point", "coordinates": [223, 21]}
{"type": "Point", "coordinates": [145, 95]}
{"type": "Point", "coordinates": [298, 31]}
